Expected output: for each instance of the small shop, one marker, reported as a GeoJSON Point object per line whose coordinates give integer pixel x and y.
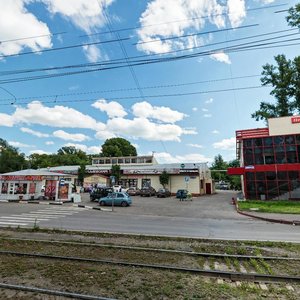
{"type": "Point", "coordinates": [36, 184]}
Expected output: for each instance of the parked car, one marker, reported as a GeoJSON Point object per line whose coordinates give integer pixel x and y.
{"type": "Point", "coordinates": [182, 194]}
{"type": "Point", "coordinates": [148, 191]}
{"type": "Point", "coordinates": [163, 193]}
{"type": "Point", "coordinates": [119, 198]}
{"type": "Point", "coordinates": [133, 191]}
{"type": "Point", "coordinates": [98, 193]}
{"type": "Point", "coordinates": [119, 188]}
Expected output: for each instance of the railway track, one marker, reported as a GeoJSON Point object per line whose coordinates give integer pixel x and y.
{"type": "Point", "coordinates": [263, 271]}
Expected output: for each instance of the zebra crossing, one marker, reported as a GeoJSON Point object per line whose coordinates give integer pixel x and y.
{"type": "Point", "coordinates": [36, 216]}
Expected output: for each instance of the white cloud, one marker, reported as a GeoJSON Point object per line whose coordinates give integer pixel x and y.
{"type": "Point", "coordinates": [204, 109]}
{"type": "Point", "coordinates": [73, 87]}
{"type": "Point", "coordinates": [16, 22]}
{"type": "Point", "coordinates": [236, 12]}
{"type": "Point", "coordinates": [209, 101]}
{"type": "Point", "coordinates": [215, 131]}
{"type": "Point", "coordinates": [86, 15]}
{"type": "Point", "coordinates": [194, 108]}
{"type": "Point", "coordinates": [135, 145]}
{"type": "Point", "coordinates": [164, 12]}
{"type": "Point", "coordinates": [207, 115]}
{"type": "Point", "coordinates": [113, 108]}
{"type": "Point", "coordinates": [18, 144]}
{"type": "Point", "coordinates": [162, 113]}
{"type": "Point", "coordinates": [70, 136]}
{"type": "Point", "coordinates": [143, 128]}
{"type": "Point", "coordinates": [221, 57]}
{"type": "Point", "coordinates": [92, 53]}
{"type": "Point", "coordinates": [57, 116]}
{"type": "Point", "coordinates": [88, 150]}
{"type": "Point", "coordinates": [49, 143]}
{"type": "Point", "coordinates": [163, 157]}
{"type": "Point", "coordinates": [6, 120]}
{"type": "Point", "coordinates": [33, 132]}
{"type": "Point", "coordinates": [225, 144]}
{"type": "Point", "coordinates": [195, 145]}
{"type": "Point", "coordinates": [39, 152]}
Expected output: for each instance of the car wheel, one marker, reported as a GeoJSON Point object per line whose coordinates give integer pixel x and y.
{"type": "Point", "coordinates": [102, 203]}
{"type": "Point", "coordinates": [124, 203]}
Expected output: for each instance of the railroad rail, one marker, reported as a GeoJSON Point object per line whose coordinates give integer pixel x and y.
{"type": "Point", "coordinates": [233, 276]}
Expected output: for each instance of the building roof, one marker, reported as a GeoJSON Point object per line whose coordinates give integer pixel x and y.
{"type": "Point", "coordinates": [32, 172]}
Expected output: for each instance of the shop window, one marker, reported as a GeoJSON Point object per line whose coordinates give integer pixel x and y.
{"type": "Point", "coordinates": [290, 148]}
{"type": "Point", "coordinates": [146, 182]}
{"type": "Point", "coordinates": [282, 175]}
{"type": "Point", "coordinates": [127, 160]}
{"type": "Point", "coordinates": [261, 187]}
{"type": "Point", "coordinates": [149, 160]}
{"type": "Point", "coordinates": [279, 140]}
{"type": "Point", "coordinates": [4, 188]}
{"type": "Point", "coordinates": [269, 159]}
{"type": "Point", "coordinates": [101, 161]}
{"type": "Point", "coordinates": [289, 139]}
{"type": "Point", "coordinates": [133, 160]}
{"type": "Point", "coordinates": [291, 157]}
{"type": "Point", "coordinates": [260, 176]}
{"type": "Point", "coordinates": [250, 176]}
{"type": "Point", "coordinates": [293, 175]}
{"type": "Point", "coordinates": [268, 141]}
{"type": "Point", "coordinates": [114, 161]}
{"type": "Point", "coordinates": [120, 160]}
{"type": "Point", "coordinates": [107, 161]}
{"type": "Point", "coordinates": [279, 149]}
{"type": "Point", "coordinates": [272, 189]}
{"type": "Point", "coordinates": [258, 142]}
{"type": "Point", "coordinates": [140, 160]}
{"type": "Point", "coordinates": [248, 143]}
{"type": "Point", "coordinates": [283, 187]}
{"type": "Point", "coordinates": [270, 175]}
{"type": "Point", "coordinates": [11, 188]}
{"type": "Point", "coordinates": [248, 151]}
{"type": "Point", "coordinates": [248, 160]}
{"type": "Point", "coordinates": [258, 159]}
{"type": "Point", "coordinates": [281, 158]}
{"type": "Point", "coordinates": [258, 150]}
{"type": "Point", "coordinates": [298, 139]}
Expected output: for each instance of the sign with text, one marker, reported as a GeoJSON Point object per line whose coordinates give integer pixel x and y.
{"type": "Point", "coordinates": [295, 120]}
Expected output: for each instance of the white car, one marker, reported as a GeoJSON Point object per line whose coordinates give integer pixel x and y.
{"type": "Point", "coordinates": [119, 188]}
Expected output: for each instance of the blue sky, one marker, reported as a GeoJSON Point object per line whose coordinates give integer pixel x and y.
{"type": "Point", "coordinates": [185, 107]}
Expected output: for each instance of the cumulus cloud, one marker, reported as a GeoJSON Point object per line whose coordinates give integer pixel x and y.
{"type": "Point", "coordinates": [207, 115]}
{"type": "Point", "coordinates": [209, 101]}
{"type": "Point", "coordinates": [165, 114]}
{"type": "Point", "coordinates": [194, 108]}
{"type": "Point", "coordinates": [57, 116]}
{"type": "Point", "coordinates": [225, 144]}
{"type": "Point", "coordinates": [163, 157]}
{"type": "Point", "coordinates": [88, 150]}
{"type": "Point", "coordinates": [86, 15]}
{"type": "Point", "coordinates": [175, 18]}
{"type": "Point", "coordinates": [195, 145]}
{"type": "Point", "coordinates": [204, 109]}
{"type": "Point", "coordinates": [34, 132]}
{"type": "Point", "coordinates": [113, 108]}
{"type": "Point", "coordinates": [6, 120]}
{"type": "Point", "coordinates": [92, 53]}
{"type": "Point", "coordinates": [215, 131]}
{"type": "Point", "coordinates": [70, 136]}
{"type": "Point", "coordinates": [49, 143]}
{"type": "Point", "coordinates": [18, 144]}
{"type": "Point", "coordinates": [221, 57]}
{"type": "Point", "coordinates": [16, 22]}
{"type": "Point", "coordinates": [236, 12]}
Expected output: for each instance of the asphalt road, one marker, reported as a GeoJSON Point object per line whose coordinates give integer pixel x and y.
{"type": "Point", "coordinates": [204, 217]}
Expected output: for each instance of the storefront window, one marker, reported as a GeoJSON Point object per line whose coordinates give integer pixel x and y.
{"type": "Point", "coordinates": [4, 188]}
{"type": "Point", "coordinates": [146, 182]}
{"type": "Point", "coordinates": [268, 141]}
{"type": "Point", "coordinates": [258, 142]}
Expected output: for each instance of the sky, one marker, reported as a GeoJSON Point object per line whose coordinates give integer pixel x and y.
{"type": "Point", "coordinates": [176, 78]}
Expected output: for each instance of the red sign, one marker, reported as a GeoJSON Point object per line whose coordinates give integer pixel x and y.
{"type": "Point", "coordinates": [295, 120]}
{"type": "Point", "coordinates": [21, 177]}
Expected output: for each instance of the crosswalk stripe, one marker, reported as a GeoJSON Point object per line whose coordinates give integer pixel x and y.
{"type": "Point", "coordinates": [23, 218]}
{"type": "Point", "coordinates": [10, 223]}
{"type": "Point", "coordinates": [37, 216]}
{"type": "Point", "coordinates": [50, 212]}
{"type": "Point", "coordinates": [13, 220]}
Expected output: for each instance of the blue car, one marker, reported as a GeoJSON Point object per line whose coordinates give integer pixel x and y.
{"type": "Point", "coordinates": [119, 198]}
{"type": "Point", "coordinates": [182, 194]}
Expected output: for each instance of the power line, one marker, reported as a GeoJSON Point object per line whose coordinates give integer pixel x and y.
{"type": "Point", "coordinates": [134, 89]}
{"type": "Point", "coordinates": [152, 96]}
{"type": "Point", "coordinates": [181, 21]}
{"type": "Point", "coordinates": [112, 61]}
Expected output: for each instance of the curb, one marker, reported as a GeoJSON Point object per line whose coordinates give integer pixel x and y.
{"type": "Point", "coordinates": [91, 207]}
{"type": "Point", "coordinates": [294, 223]}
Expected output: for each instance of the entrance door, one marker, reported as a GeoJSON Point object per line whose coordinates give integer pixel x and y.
{"type": "Point", "coordinates": [208, 188]}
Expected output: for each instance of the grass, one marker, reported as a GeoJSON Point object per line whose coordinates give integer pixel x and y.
{"type": "Point", "coordinates": [284, 207]}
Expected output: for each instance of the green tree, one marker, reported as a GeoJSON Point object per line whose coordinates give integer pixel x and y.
{"type": "Point", "coordinates": [116, 172]}
{"type": "Point", "coordinates": [219, 164]}
{"type": "Point", "coordinates": [164, 178]}
{"type": "Point", "coordinates": [10, 158]}
{"type": "Point", "coordinates": [116, 147]}
{"type": "Point", "coordinates": [81, 174]}
{"type": "Point", "coordinates": [235, 180]}
{"type": "Point", "coordinates": [284, 77]}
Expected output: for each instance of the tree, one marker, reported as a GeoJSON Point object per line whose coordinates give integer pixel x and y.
{"type": "Point", "coordinates": [116, 172]}
{"type": "Point", "coordinates": [164, 178]}
{"type": "Point", "coordinates": [10, 158]}
{"type": "Point", "coordinates": [284, 78]}
{"type": "Point", "coordinates": [81, 174]}
{"type": "Point", "coordinates": [219, 164]}
{"type": "Point", "coordinates": [116, 147]}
